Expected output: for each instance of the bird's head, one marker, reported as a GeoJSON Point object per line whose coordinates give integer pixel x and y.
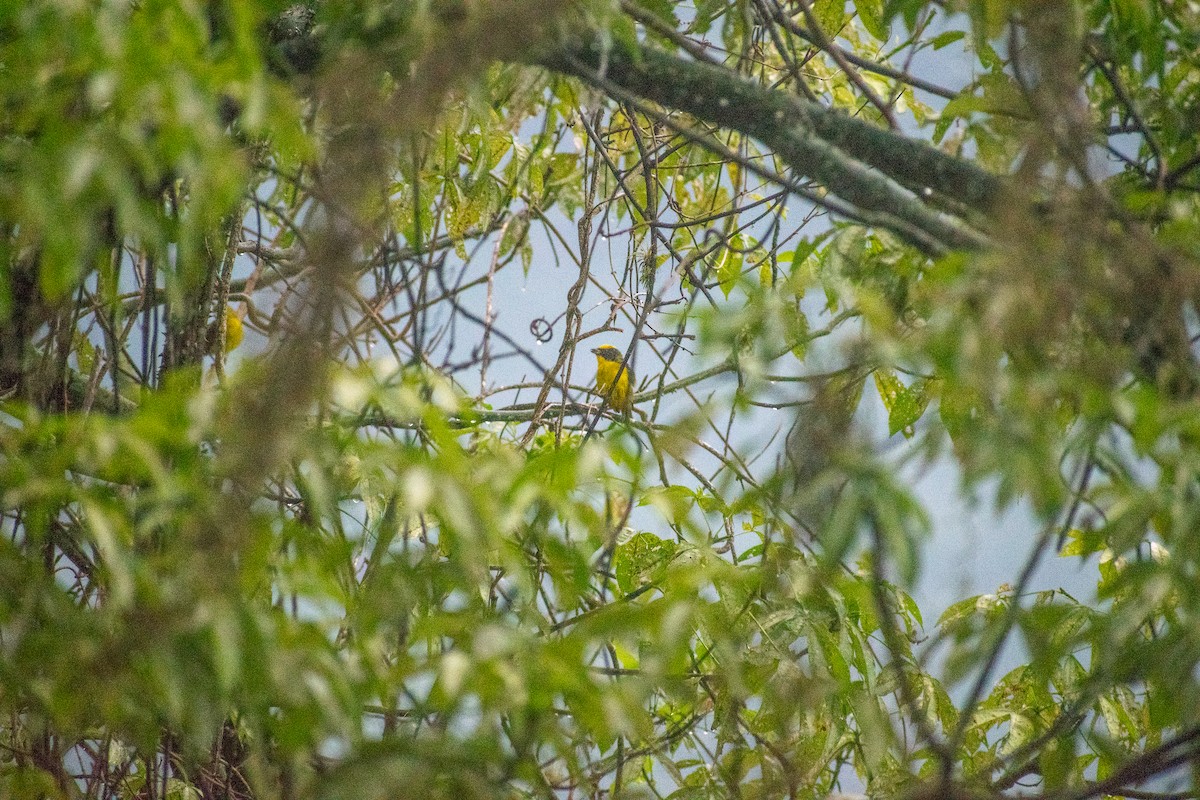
{"type": "Point", "coordinates": [608, 353]}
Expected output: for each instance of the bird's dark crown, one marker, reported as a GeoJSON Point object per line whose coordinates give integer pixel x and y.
{"type": "Point", "coordinates": [608, 353]}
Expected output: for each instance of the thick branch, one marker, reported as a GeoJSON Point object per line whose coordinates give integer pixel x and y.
{"type": "Point", "coordinates": [723, 97]}
{"type": "Point", "coordinates": [837, 150]}
{"type": "Point", "coordinates": [873, 168]}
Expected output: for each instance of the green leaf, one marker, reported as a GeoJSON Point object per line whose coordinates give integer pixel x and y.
{"type": "Point", "coordinates": [870, 12]}
{"type": "Point", "coordinates": [910, 9]}
{"type": "Point", "coordinates": [958, 408]}
{"type": "Point", "coordinates": [998, 94]}
{"type": "Point", "coordinates": [642, 561]}
{"type": "Point", "coordinates": [889, 388]}
{"type": "Point", "coordinates": [946, 39]}
{"type": "Point", "coordinates": [1083, 542]}
{"type": "Point", "coordinates": [831, 15]}
{"type": "Point", "coordinates": [904, 404]}
{"type": "Point", "coordinates": [908, 407]}
{"type": "Point", "coordinates": [1057, 762]}
{"type": "Point", "coordinates": [729, 268]}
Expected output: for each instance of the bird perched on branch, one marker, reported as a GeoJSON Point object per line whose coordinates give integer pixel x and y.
{"type": "Point", "coordinates": [618, 388]}
{"type": "Point", "coordinates": [234, 331]}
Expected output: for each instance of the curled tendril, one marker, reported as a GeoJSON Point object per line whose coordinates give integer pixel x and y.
{"type": "Point", "coordinates": [712, 236]}
{"type": "Point", "coordinates": [542, 330]}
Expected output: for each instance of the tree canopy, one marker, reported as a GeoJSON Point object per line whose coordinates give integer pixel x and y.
{"type": "Point", "coordinates": [306, 490]}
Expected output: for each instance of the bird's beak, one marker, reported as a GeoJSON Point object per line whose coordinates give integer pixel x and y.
{"type": "Point", "coordinates": [596, 350]}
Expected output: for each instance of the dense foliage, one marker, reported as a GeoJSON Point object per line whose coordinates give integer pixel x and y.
{"type": "Point", "coordinates": [305, 492]}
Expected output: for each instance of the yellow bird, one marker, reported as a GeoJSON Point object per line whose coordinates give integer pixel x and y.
{"type": "Point", "coordinates": [233, 331]}
{"type": "Point", "coordinates": [618, 390]}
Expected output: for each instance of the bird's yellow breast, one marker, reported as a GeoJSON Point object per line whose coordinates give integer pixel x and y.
{"type": "Point", "coordinates": [617, 390]}
{"type": "Point", "coordinates": [233, 329]}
